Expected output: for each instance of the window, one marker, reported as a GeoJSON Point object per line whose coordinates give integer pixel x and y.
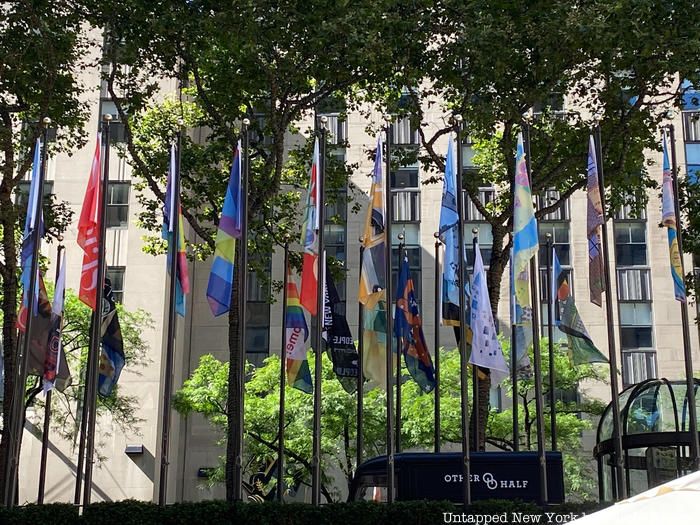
{"type": "Point", "coordinates": [337, 128]}
{"type": "Point", "coordinates": [117, 129]}
{"type": "Point", "coordinates": [553, 104]}
{"type": "Point", "coordinates": [116, 276]}
{"type": "Point", "coordinates": [335, 235]}
{"type": "Point", "coordinates": [691, 126]}
{"type": "Point", "coordinates": [549, 197]}
{"type": "Point", "coordinates": [560, 240]}
{"type": "Point", "coordinates": [404, 133]}
{"type": "Point", "coordinates": [118, 205]}
{"type": "Point", "coordinates": [22, 194]}
{"type": "Point", "coordinates": [475, 221]}
{"type": "Point", "coordinates": [630, 243]}
{"type": "Point", "coordinates": [258, 319]}
{"type": "Point", "coordinates": [486, 197]}
{"type": "Point", "coordinates": [405, 195]}
{"type": "Point", "coordinates": [633, 284]}
{"type": "Point", "coordinates": [637, 367]}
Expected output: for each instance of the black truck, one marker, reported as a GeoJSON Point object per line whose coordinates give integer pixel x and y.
{"type": "Point", "coordinates": [431, 476]}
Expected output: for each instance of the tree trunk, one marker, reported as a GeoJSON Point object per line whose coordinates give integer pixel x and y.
{"type": "Point", "coordinates": [233, 401]}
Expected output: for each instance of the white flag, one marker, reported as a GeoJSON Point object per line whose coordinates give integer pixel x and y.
{"type": "Point", "coordinates": [486, 349]}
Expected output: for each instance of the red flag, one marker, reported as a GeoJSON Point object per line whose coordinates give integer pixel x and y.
{"type": "Point", "coordinates": [88, 230]}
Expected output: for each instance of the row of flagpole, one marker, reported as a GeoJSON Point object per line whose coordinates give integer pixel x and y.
{"type": "Point", "coordinates": [376, 248]}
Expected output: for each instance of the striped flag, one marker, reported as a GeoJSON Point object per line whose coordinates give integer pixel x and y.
{"type": "Point", "coordinates": [594, 222]}
{"type": "Point", "coordinates": [89, 230]}
{"type": "Point", "coordinates": [172, 211]}
{"type": "Point", "coordinates": [449, 224]}
{"type": "Point", "coordinates": [581, 346]}
{"type": "Point", "coordinates": [296, 334]}
{"type": "Point", "coordinates": [525, 246]}
{"type": "Point", "coordinates": [221, 275]}
{"type": "Point", "coordinates": [309, 239]}
{"type": "Point", "coordinates": [408, 328]}
{"type": "Point", "coordinates": [668, 214]}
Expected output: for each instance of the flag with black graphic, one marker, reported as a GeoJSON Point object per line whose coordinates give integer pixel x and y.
{"type": "Point", "coordinates": [112, 357]}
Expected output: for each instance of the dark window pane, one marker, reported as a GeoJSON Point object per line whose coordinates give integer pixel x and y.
{"type": "Point", "coordinates": [404, 179]}
{"type": "Point", "coordinates": [116, 276]}
{"type": "Point", "coordinates": [118, 205]}
{"type": "Point", "coordinates": [632, 337]}
{"type": "Point", "coordinates": [631, 254]}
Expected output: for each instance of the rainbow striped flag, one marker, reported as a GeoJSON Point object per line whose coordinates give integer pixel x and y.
{"type": "Point", "coordinates": [296, 334]}
{"type": "Point", "coordinates": [170, 215]}
{"type": "Point", "coordinates": [668, 214]}
{"type": "Point", "coordinates": [221, 275]}
{"type": "Point", "coordinates": [309, 239]}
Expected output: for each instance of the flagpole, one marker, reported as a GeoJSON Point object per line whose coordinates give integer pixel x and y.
{"type": "Point", "coordinates": [243, 309]}
{"type": "Point", "coordinates": [437, 343]}
{"type": "Point", "coordinates": [615, 391]}
{"type": "Point", "coordinates": [466, 487]}
{"type": "Point", "coordinates": [360, 373]}
{"type": "Point", "coordinates": [96, 333]}
{"type": "Point", "coordinates": [20, 372]}
{"type": "Point", "coordinates": [283, 378]}
{"type": "Point", "coordinates": [513, 356]}
{"type": "Point", "coordinates": [47, 403]}
{"type": "Point", "coordinates": [687, 352]}
{"type": "Point", "coordinates": [535, 298]}
{"type": "Point", "coordinates": [399, 352]}
{"type": "Point", "coordinates": [550, 285]}
{"type": "Point", "coordinates": [475, 368]}
{"type": "Point", "coordinates": [320, 315]}
{"type": "Point", "coordinates": [172, 324]}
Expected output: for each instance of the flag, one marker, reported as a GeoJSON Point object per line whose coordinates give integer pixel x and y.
{"type": "Point", "coordinates": [449, 224]}
{"type": "Point", "coordinates": [55, 361]}
{"type": "Point", "coordinates": [309, 238]}
{"type": "Point", "coordinates": [408, 328]}
{"type": "Point", "coordinates": [373, 271]}
{"type": "Point", "coordinates": [112, 357]}
{"type": "Point", "coordinates": [221, 274]}
{"type": "Point", "coordinates": [89, 230]}
{"type": "Point", "coordinates": [525, 246]}
{"type": "Point", "coordinates": [372, 293]}
{"type": "Point", "coordinates": [172, 211]}
{"type": "Point", "coordinates": [581, 346]}
{"type": "Point", "coordinates": [296, 334]}
{"type": "Point", "coordinates": [521, 319]}
{"type": "Point", "coordinates": [34, 219]}
{"type": "Point", "coordinates": [668, 214]}
{"type": "Point", "coordinates": [340, 343]}
{"type": "Point", "coordinates": [594, 222]}
{"type": "Point", "coordinates": [486, 348]}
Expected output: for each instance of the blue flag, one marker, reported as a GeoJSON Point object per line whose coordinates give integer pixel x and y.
{"type": "Point", "coordinates": [449, 224]}
{"type": "Point", "coordinates": [408, 328]}
{"type": "Point", "coordinates": [33, 220]}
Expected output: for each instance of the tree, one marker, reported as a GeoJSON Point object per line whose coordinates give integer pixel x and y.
{"type": "Point", "coordinates": [493, 62]}
{"type": "Point", "coordinates": [265, 59]}
{"type": "Point", "coordinates": [41, 48]}
{"type": "Point", "coordinates": [205, 393]}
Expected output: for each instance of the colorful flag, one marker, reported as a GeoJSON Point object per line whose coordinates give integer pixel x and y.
{"type": "Point", "coordinates": [521, 319]}
{"type": "Point", "coordinates": [594, 222]}
{"type": "Point", "coordinates": [89, 230]}
{"type": "Point", "coordinates": [670, 221]}
{"type": "Point", "coordinates": [525, 246]}
{"type": "Point", "coordinates": [296, 334]}
{"type": "Point", "coordinates": [309, 238]}
{"type": "Point", "coordinates": [221, 274]}
{"type": "Point", "coordinates": [449, 224]}
{"type": "Point", "coordinates": [54, 360]}
{"type": "Point", "coordinates": [373, 272]}
{"type": "Point", "coordinates": [34, 219]}
{"type": "Point", "coordinates": [170, 215]}
{"type": "Point", "coordinates": [112, 357]}
{"type": "Point", "coordinates": [581, 346]}
{"type": "Point", "coordinates": [340, 344]}
{"type": "Point", "coordinates": [486, 348]}
{"type": "Point", "coordinates": [408, 328]}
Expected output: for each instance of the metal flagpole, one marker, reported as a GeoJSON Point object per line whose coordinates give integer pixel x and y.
{"type": "Point", "coordinates": [242, 308]}
{"type": "Point", "coordinates": [535, 298]}
{"type": "Point", "coordinates": [550, 286]}
{"type": "Point", "coordinates": [388, 212]}
{"type": "Point", "coordinates": [475, 368]}
{"type": "Point", "coordinates": [614, 389]}
{"type": "Point", "coordinates": [360, 373]}
{"type": "Point", "coordinates": [172, 322]}
{"type": "Point", "coordinates": [320, 316]}
{"type": "Point", "coordinates": [398, 363]}
{"type": "Point", "coordinates": [96, 332]}
{"type": "Point", "coordinates": [47, 404]}
{"type": "Point", "coordinates": [687, 353]}
{"type": "Point", "coordinates": [437, 342]}
{"type": "Point", "coordinates": [514, 358]}
{"type": "Point", "coordinates": [20, 372]}
{"type": "Point", "coordinates": [464, 370]}
{"type": "Point", "coordinates": [283, 378]}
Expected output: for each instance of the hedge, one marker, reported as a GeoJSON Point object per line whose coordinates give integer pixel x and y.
{"type": "Point", "coordinates": [130, 512]}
